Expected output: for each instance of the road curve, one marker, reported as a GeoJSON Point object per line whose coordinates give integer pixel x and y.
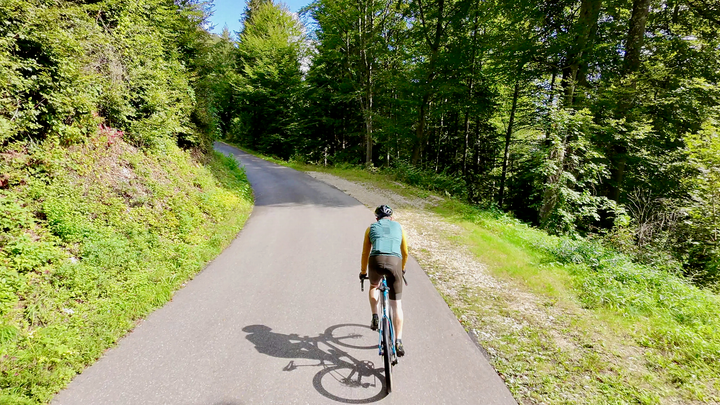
{"type": "Point", "coordinates": [278, 318]}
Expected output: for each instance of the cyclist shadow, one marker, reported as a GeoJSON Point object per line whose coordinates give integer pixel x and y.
{"type": "Point", "coordinates": [339, 372]}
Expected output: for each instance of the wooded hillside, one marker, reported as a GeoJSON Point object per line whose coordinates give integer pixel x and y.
{"type": "Point", "coordinates": [110, 197]}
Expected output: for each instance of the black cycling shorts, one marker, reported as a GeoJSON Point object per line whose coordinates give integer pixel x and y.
{"type": "Point", "coordinates": [391, 268]}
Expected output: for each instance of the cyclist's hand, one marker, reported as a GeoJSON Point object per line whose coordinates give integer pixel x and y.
{"type": "Point", "coordinates": [363, 276]}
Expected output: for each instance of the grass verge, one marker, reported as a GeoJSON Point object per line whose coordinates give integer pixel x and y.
{"type": "Point", "coordinates": [95, 237]}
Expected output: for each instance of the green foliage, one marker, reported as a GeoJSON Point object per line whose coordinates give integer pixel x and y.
{"type": "Point", "coordinates": [216, 100]}
{"type": "Point", "coordinates": [427, 179]}
{"type": "Point", "coordinates": [609, 97]}
{"type": "Point", "coordinates": [102, 217]}
{"type": "Point", "coordinates": [268, 84]}
{"type": "Point", "coordinates": [701, 228]}
{"type": "Point", "coordinates": [573, 169]}
{"type": "Point", "coordinates": [661, 311]}
{"type": "Point", "coordinates": [68, 67]}
{"type": "Point", "coordinates": [100, 244]}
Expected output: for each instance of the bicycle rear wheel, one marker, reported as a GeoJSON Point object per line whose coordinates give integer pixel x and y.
{"type": "Point", "coordinates": [387, 354]}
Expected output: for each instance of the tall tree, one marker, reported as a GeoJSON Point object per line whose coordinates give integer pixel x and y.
{"type": "Point", "coordinates": [358, 36]}
{"type": "Point", "coordinates": [269, 51]}
{"type": "Point", "coordinates": [631, 63]}
{"type": "Point", "coordinates": [579, 49]}
{"type": "Point", "coordinates": [434, 21]}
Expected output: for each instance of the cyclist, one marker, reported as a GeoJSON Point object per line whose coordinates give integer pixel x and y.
{"type": "Point", "coordinates": [385, 253]}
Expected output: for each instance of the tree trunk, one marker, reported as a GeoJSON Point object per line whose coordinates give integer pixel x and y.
{"type": "Point", "coordinates": [631, 63]}
{"type": "Point", "coordinates": [551, 98]}
{"type": "Point", "coordinates": [471, 83]}
{"type": "Point", "coordinates": [369, 131]}
{"type": "Point", "coordinates": [420, 131]}
{"type": "Point", "coordinates": [585, 30]}
{"type": "Point", "coordinates": [451, 148]}
{"type": "Point", "coordinates": [618, 172]}
{"type": "Point", "coordinates": [508, 136]}
{"type": "Point", "coordinates": [466, 134]}
{"type": "Point", "coordinates": [434, 46]}
{"type": "Point", "coordinates": [636, 36]}
{"type": "Point", "coordinates": [550, 195]}
{"type": "Point", "coordinates": [470, 181]}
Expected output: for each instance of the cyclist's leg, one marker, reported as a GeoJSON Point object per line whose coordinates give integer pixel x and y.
{"type": "Point", "coordinates": [374, 298]}
{"type": "Point", "coordinates": [393, 266]}
{"type": "Point", "coordinates": [374, 274]}
{"type": "Point", "coordinates": [396, 306]}
{"type": "Point", "coordinates": [396, 289]}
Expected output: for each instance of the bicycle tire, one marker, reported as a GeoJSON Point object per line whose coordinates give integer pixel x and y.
{"type": "Point", "coordinates": [387, 355]}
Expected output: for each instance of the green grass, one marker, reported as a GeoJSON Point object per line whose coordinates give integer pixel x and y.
{"type": "Point", "coordinates": [622, 305]}
{"type": "Point", "coordinates": [94, 238]}
{"type": "Point", "coordinates": [621, 332]}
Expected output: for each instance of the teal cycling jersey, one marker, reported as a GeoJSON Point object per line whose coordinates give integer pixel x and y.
{"type": "Point", "coordinates": [386, 237]}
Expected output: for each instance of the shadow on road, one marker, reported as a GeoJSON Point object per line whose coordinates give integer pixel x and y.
{"type": "Point", "coordinates": [342, 377]}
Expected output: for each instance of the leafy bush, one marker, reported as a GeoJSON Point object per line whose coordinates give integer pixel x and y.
{"type": "Point", "coordinates": [427, 179]}
{"type": "Point", "coordinates": [67, 67]}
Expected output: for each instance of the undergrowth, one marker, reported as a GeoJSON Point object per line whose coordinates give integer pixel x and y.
{"type": "Point", "coordinates": [93, 238]}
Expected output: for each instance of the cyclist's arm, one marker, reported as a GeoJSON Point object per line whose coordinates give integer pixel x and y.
{"type": "Point", "coordinates": [403, 249]}
{"type": "Point", "coordinates": [365, 252]}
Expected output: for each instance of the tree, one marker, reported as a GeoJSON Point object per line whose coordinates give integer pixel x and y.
{"type": "Point", "coordinates": [433, 22]}
{"type": "Point", "coordinates": [358, 37]}
{"type": "Point", "coordinates": [270, 80]}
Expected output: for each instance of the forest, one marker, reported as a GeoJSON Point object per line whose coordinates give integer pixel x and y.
{"type": "Point", "coordinates": [590, 118]}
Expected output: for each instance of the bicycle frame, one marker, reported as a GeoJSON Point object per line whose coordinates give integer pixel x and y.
{"type": "Point", "coordinates": [386, 336]}
{"type": "Point", "coordinates": [385, 314]}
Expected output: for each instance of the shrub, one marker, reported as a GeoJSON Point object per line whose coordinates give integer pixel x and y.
{"type": "Point", "coordinates": [86, 258]}
{"type": "Point", "coordinates": [426, 179]}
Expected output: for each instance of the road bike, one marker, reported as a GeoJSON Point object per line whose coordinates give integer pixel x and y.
{"type": "Point", "coordinates": [386, 339]}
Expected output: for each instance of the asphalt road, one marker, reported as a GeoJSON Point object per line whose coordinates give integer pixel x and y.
{"type": "Point", "coordinates": [278, 318]}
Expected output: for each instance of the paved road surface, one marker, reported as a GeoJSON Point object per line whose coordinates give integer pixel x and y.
{"type": "Point", "coordinates": [278, 318]}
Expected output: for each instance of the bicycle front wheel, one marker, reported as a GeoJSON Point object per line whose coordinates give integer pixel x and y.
{"type": "Point", "coordinates": [387, 354]}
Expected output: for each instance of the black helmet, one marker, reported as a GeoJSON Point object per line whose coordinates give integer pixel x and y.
{"type": "Point", "coordinates": [383, 211]}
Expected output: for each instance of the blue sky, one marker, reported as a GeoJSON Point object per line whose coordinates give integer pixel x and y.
{"type": "Point", "coordinates": [230, 11]}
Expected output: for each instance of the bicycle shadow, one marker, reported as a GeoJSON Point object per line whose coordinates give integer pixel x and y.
{"type": "Point", "coordinates": [340, 370]}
